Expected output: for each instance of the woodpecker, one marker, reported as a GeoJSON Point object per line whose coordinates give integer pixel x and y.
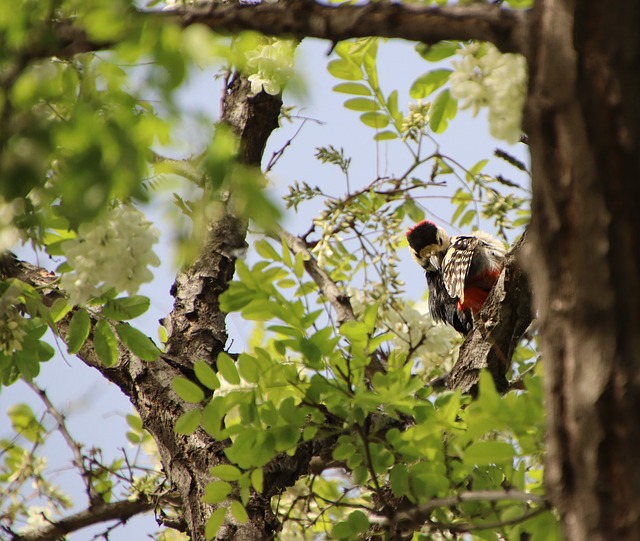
{"type": "Point", "coordinates": [460, 271]}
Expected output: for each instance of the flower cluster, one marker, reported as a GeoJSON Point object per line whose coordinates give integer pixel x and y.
{"type": "Point", "coordinates": [9, 234]}
{"type": "Point", "coordinates": [486, 77]}
{"type": "Point", "coordinates": [115, 251]}
{"type": "Point", "coordinates": [414, 123]}
{"type": "Point", "coordinates": [270, 65]}
{"type": "Point", "coordinates": [13, 329]}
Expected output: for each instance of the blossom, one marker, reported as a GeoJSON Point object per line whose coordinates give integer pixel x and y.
{"type": "Point", "coordinates": [415, 122]}
{"type": "Point", "coordinates": [270, 65]}
{"type": "Point", "coordinates": [484, 77]}
{"type": "Point", "coordinates": [9, 234]}
{"type": "Point", "coordinates": [114, 251]}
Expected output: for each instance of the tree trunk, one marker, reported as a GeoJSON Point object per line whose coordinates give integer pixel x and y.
{"type": "Point", "coordinates": [582, 121]}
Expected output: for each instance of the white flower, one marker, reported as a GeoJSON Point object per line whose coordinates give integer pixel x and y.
{"type": "Point", "coordinates": [270, 65]}
{"type": "Point", "coordinates": [9, 234]}
{"type": "Point", "coordinates": [38, 517]}
{"type": "Point", "coordinates": [495, 80]}
{"type": "Point", "coordinates": [115, 251]}
{"type": "Point", "coordinates": [506, 84]}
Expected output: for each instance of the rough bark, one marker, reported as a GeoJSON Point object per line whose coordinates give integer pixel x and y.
{"type": "Point", "coordinates": [305, 18]}
{"type": "Point", "coordinates": [583, 121]}
{"type": "Point", "coordinates": [498, 328]}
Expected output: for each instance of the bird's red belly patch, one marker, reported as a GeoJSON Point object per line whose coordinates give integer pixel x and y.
{"type": "Point", "coordinates": [474, 299]}
{"type": "Point", "coordinates": [476, 293]}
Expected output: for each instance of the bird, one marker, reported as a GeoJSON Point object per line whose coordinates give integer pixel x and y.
{"type": "Point", "coordinates": [460, 271]}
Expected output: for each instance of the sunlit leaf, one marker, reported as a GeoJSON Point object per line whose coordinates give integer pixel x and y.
{"type": "Point", "coordinates": [216, 492]}
{"type": "Point", "coordinates": [187, 390]}
{"type": "Point", "coordinates": [239, 512]}
{"type": "Point", "coordinates": [214, 522]}
{"type": "Point", "coordinates": [489, 452]}
{"type": "Point", "coordinates": [188, 422]}
{"type": "Point", "coordinates": [343, 69]}
{"type": "Point", "coordinates": [78, 332]}
{"type": "Point", "coordinates": [356, 89]}
{"type": "Point", "coordinates": [361, 104]}
{"type": "Point", "coordinates": [126, 307]}
{"type": "Point", "coordinates": [227, 369]}
{"type": "Point", "coordinates": [437, 51]}
{"type": "Point", "coordinates": [374, 119]}
{"type": "Point", "coordinates": [206, 375]}
{"type": "Point", "coordinates": [139, 343]}
{"type": "Point", "coordinates": [105, 343]}
{"type": "Point", "coordinates": [443, 109]}
{"type": "Point", "coordinates": [428, 83]}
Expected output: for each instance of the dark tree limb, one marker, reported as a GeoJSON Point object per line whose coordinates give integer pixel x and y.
{"type": "Point", "coordinates": [506, 28]}
{"type": "Point", "coordinates": [120, 511]}
{"type": "Point", "coordinates": [498, 328]}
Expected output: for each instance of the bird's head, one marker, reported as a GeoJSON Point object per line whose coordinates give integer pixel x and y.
{"type": "Point", "coordinates": [427, 243]}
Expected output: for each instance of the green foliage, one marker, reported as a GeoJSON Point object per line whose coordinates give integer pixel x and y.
{"type": "Point", "coordinates": [81, 135]}
{"type": "Point", "coordinates": [139, 344]}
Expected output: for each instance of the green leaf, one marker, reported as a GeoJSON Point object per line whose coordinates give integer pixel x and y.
{"type": "Point", "coordinates": [140, 344]}
{"type": "Point", "coordinates": [385, 136]}
{"type": "Point", "coordinates": [375, 120]}
{"type": "Point", "coordinates": [227, 369]}
{"type": "Point", "coordinates": [265, 250]}
{"type": "Point", "coordinates": [357, 89]}
{"type": "Point", "coordinates": [428, 83]}
{"type": "Point", "coordinates": [358, 521]}
{"type": "Point", "coordinates": [443, 109]}
{"type": "Point", "coordinates": [226, 472]}
{"type": "Point", "coordinates": [344, 451]}
{"type": "Point", "coordinates": [467, 217]}
{"type": "Point", "coordinates": [134, 422]}
{"type": "Point", "coordinates": [105, 343]}
{"type": "Point", "coordinates": [78, 332]}
{"type": "Point", "coordinates": [216, 492]}
{"type": "Point", "coordinates": [257, 480]}
{"type": "Point", "coordinates": [248, 368]}
{"type": "Point", "coordinates": [239, 512]}
{"type": "Point", "coordinates": [206, 375]}
{"type": "Point", "coordinates": [24, 422]}
{"type": "Point", "coordinates": [342, 530]}
{"type": "Point", "coordinates": [187, 390]}
{"type": "Point", "coordinates": [26, 363]}
{"type": "Point", "coordinates": [361, 104]}
{"type": "Point", "coordinates": [488, 452]}
{"type": "Point", "coordinates": [214, 522]}
{"type": "Point", "coordinates": [188, 422]}
{"type": "Point", "coordinates": [473, 171]}
{"type": "Point", "coordinates": [126, 307]}
{"type": "Point", "coordinates": [59, 309]}
{"type": "Point", "coordinates": [344, 69]}
{"type": "Point", "coordinates": [437, 51]}
{"type": "Point", "coordinates": [399, 480]}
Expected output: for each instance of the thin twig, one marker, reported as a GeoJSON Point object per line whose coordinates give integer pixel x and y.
{"type": "Point", "coordinates": [76, 448]}
{"type": "Point", "coordinates": [421, 514]}
{"type": "Point", "coordinates": [337, 298]}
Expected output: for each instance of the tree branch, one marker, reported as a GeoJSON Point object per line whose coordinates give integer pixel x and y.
{"type": "Point", "coordinates": [76, 448]}
{"type": "Point", "coordinates": [337, 298]}
{"type": "Point", "coordinates": [121, 511]}
{"type": "Point", "coordinates": [506, 28]}
{"type": "Point", "coordinates": [498, 329]}
{"type": "Point", "coordinates": [306, 18]}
